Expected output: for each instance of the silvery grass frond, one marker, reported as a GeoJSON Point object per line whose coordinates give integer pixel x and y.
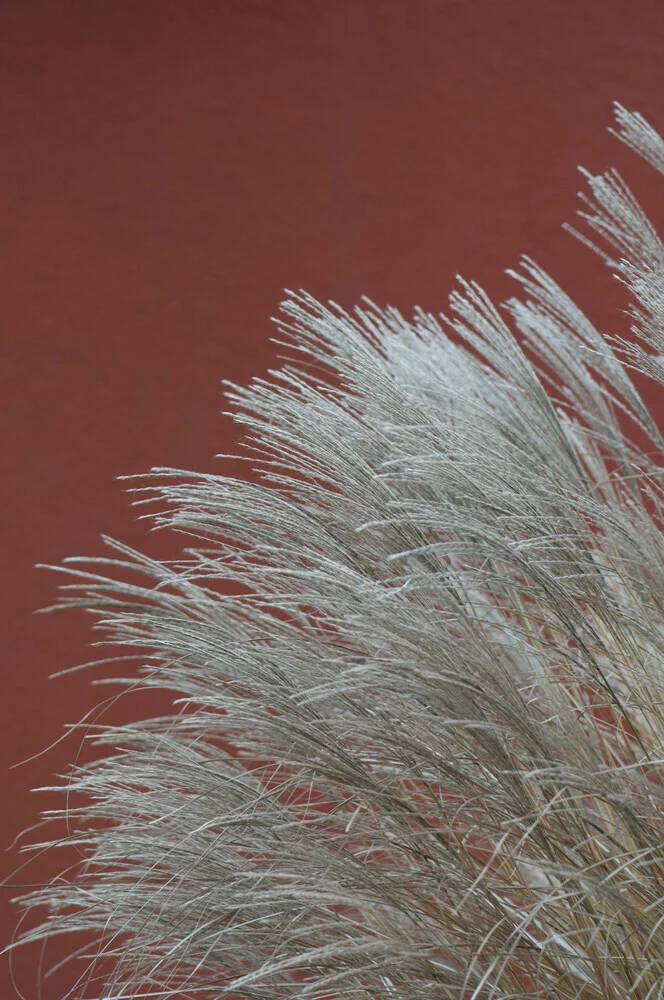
{"type": "Point", "coordinates": [418, 738]}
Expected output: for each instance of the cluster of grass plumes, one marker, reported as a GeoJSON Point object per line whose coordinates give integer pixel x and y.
{"type": "Point", "coordinates": [418, 743]}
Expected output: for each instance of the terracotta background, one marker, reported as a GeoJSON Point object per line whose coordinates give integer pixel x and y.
{"type": "Point", "coordinates": [167, 168]}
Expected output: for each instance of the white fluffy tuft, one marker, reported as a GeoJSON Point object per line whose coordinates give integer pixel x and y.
{"type": "Point", "coordinates": [418, 743]}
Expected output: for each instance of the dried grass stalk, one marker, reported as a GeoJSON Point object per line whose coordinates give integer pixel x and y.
{"type": "Point", "coordinates": [418, 740]}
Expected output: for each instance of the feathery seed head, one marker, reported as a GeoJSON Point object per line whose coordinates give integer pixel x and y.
{"type": "Point", "coordinates": [418, 741]}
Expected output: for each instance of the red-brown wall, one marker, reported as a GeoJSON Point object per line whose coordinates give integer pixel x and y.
{"type": "Point", "coordinates": [168, 166]}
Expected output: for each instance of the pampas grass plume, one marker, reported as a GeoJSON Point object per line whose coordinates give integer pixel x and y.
{"type": "Point", "coordinates": [417, 744]}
